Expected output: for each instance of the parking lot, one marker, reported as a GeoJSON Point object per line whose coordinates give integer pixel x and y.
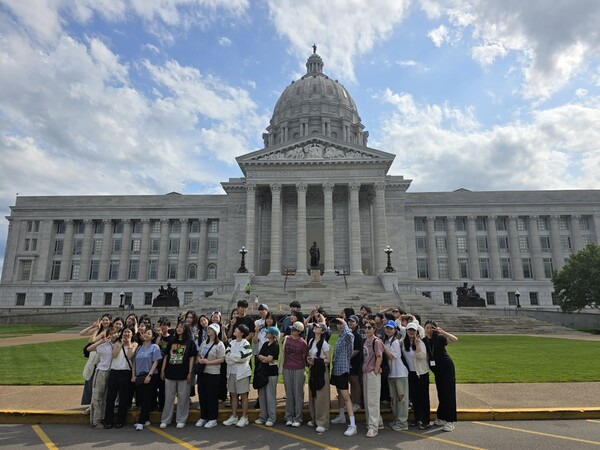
{"type": "Point", "coordinates": [546, 435]}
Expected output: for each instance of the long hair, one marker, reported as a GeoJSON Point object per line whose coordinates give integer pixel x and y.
{"type": "Point", "coordinates": [187, 332]}
{"type": "Point", "coordinates": [408, 345]}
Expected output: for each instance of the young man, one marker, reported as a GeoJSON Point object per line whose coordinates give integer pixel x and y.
{"type": "Point", "coordinates": [287, 322]}
{"type": "Point", "coordinates": [243, 319]}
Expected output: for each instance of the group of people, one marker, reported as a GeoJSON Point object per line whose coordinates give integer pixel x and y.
{"type": "Point", "coordinates": [382, 358]}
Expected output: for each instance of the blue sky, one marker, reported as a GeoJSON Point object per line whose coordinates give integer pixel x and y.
{"type": "Point", "coordinates": [153, 96]}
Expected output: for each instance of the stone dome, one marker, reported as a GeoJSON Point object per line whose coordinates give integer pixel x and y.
{"type": "Point", "coordinates": [315, 105]}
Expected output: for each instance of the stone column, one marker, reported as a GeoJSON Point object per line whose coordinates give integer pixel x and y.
{"type": "Point", "coordinates": [183, 250]}
{"type": "Point", "coordinates": [355, 250]}
{"type": "Point", "coordinates": [380, 228]}
{"type": "Point", "coordinates": [577, 243]}
{"type": "Point", "coordinates": [493, 248]}
{"type": "Point", "coordinates": [250, 227]}
{"type": "Point", "coordinates": [452, 250]}
{"type": "Point", "coordinates": [106, 249]}
{"type": "Point", "coordinates": [328, 228]}
{"type": "Point", "coordinates": [596, 220]}
{"type": "Point", "coordinates": [536, 249]}
{"type": "Point", "coordinates": [515, 251]}
{"type": "Point", "coordinates": [431, 250]}
{"type": "Point", "coordinates": [86, 251]}
{"type": "Point", "coordinates": [163, 255]}
{"type": "Point", "coordinates": [144, 250]}
{"type": "Point", "coordinates": [301, 229]}
{"type": "Point", "coordinates": [472, 248]}
{"type": "Point", "coordinates": [202, 245]}
{"type": "Point", "coordinates": [125, 250]}
{"type": "Point", "coordinates": [275, 229]}
{"type": "Point", "coordinates": [67, 256]}
{"type": "Point", "coordinates": [558, 258]}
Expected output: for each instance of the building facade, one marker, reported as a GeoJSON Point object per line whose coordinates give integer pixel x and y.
{"type": "Point", "coordinates": [315, 180]}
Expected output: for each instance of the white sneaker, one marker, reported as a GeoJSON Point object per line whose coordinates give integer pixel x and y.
{"type": "Point", "coordinates": [201, 423]}
{"type": "Point", "coordinates": [339, 419]}
{"type": "Point", "coordinates": [163, 425]}
{"type": "Point", "coordinates": [210, 424]}
{"type": "Point", "coordinates": [350, 431]}
{"type": "Point", "coordinates": [242, 422]}
{"type": "Point", "coordinates": [180, 425]}
{"type": "Point", "coordinates": [296, 424]}
{"type": "Point", "coordinates": [231, 421]}
{"type": "Point", "coordinates": [138, 427]}
{"type": "Point", "coordinates": [259, 422]}
{"type": "Point", "coordinates": [288, 423]}
{"type": "Point", "coordinates": [269, 423]}
{"type": "Point", "coordinates": [147, 423]}
{"type": "Point", "coordinates": [320, 429]}
{"type": "Point", "coordinates": [449, 426]}
{"type": "Point", "coordinates": [439, 422]}
{"type": "Point", "coordinates": [310, 423]}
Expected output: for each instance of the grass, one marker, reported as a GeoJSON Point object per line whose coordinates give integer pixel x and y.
{"type": "Point", "coordinates": [7, 331]}
{"type": "Point", "coordinates": [478, 359]}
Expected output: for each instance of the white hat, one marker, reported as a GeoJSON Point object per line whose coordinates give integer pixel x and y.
{"type": "Point", "coordinates": [412, 326]}
{"type": "Point", "coordinates": [215, 327]}
{"type": "Point", "coordinates": [299, 326]}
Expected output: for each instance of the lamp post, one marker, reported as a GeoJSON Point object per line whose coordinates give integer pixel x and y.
{"type": "Point", "coordinates": [388, 251]}
{"type": "Point", "coordinates": [242, 268]}
{"type": "Point", "coordinates": [518, 295]}
{"type": "Point", "coordinates": [122, 294]}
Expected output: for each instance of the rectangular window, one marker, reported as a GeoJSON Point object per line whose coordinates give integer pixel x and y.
{"type": "Point", "coordinates": [503, 244]}
{"type": "Point", "coordinates": [522, 224]}
{"type": "Point", "coordinates": [484, 267]}
{"type": "Point", "coordinates": [420, 224]}
{"type": "Point", "coordinates": [463, 267]}
{"type": "Point", "coordinates": [77, 246]}
{"type": "Point", "coordinates": [107, 298]}
{"type": "Point", "coordinates": [148, 298]}
{"type": "Point", "coordinates": [440, 244]}
{"type": "Point", "coordinates": [505, 268]}
{"type": "Point", "coordinates": [75, 270]}
{"type": "Point", "coordinates": [97, 247]}
{"type": "Point", "coordinates": [25, 270]}
{"type": "Point", "coordinates": [128, 298]}
{"type": "Point", "coordinates": [154, 246]}
{"type": "Point", "coordinates": [153, 269]}
{"type": "Point", "coordinates": [29, 226]}
{"type": "Point", "coordinates": [482, 244]}
{"type": "Point", "coordinates": [545, 242]}
{"type": "Point", "coordinates": [542, 223]}
{"type": "Point", "coordinates": [174, 246]}
{"type": "Point", "coordinates": [67, 298]}
{"type": "Point", "coordinates": [512, 298]}
{"type": "Point", "coordinates": [533, 299]}
{"type": "Point", "coordinates": [172, 270]}
{"type": "Point", "coordinates": [134, 268]}
{"type": "Point", "coordinates": [193, 246]}
{"type": "Point", "coordinates": [87, 299]}
{"type": "Point", "coordinates": [584, 223]}
{"type": "Point", "coordinates": [48, 299]}
{"type": "Point", "coordinates": [187, 298]}
{"type": "Point", "coordinates": [113, 271]}
{"type": "Point", "coordinates": [21, 299]}
{"type": "Point", "coordinates": [447, 297]}
{"type": "Point", "coordinates": [58, 247]}
{"type": "Point", "coordinates": [213, 245]}
{"type": "Point", "coordinates": [422, 271]}
{"type": "Point", "coordinates": [501, 224]}
{"type": "Point", "coordinates": [523, 244]}
{"type": "Point", "coordinates": [213, 226]}
{"type": "Point", "coordinates": [175, 227]}
{"type": "Point", "coordinates": [194, 226]}
{"type": "Point", "coordinates": [443, 267]}
{"type": "Point", "coordinates": [78, 227]}
{"type": "Point", "coordinates": [155, 226]}
{"type": "Point", "coordinates": [136, 244]}
{"type": "Point", "coordinates": [98, 227]}
{"type": "Point", "coordinates": [116, 246]}
{"type": "Point", "coordinates": [461, 224]}
{"type": "Point", "coordinates": [136, 226]}
{"type": "Point", "coordinates": [527, 269]}
{"type": "Point", "coordinates": [94, 269]}
{"type": "Point", "coordinates": [563, 223]}
{"type": "Point", "coordinates": [117, 226]}
{"type": "Point", "coordinates": [60, 226]}
{"type": "Point", "coordinates": [565, 242]}
{"type": "Point", "coordinates": [421, 243]}
{"type": "Point", "coordinates": [587, 240]}
{"type": "Point", "coordinates": [490, 298]}
{"type": "Point", "coordinates": [439, 224]}
{"type": "Point", "coordinates": [461, 244]}
{"type": "Point", "coordinates": [548, 267]}
{"type": "Point", "coordinates": [554, 298]}
{"type": "Point", "coordinates": [480, 224]}
{"type": "Point", "coordinates": [30, 245]}
{"type": "Point", "coordinates": [55, 272]}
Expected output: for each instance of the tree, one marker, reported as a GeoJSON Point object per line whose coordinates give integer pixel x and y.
{"type": "Point", "coordinates": [578, 282]}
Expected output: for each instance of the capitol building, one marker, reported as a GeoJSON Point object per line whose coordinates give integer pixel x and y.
{"type": "Point", "coordinates": [315, 180]}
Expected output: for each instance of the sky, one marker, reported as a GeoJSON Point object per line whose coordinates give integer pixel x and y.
{"type": "Point", "coordinates": [154, 96]}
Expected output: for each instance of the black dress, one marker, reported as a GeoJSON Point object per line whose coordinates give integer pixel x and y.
{"type": "Point", "coordinates": [445, 376]}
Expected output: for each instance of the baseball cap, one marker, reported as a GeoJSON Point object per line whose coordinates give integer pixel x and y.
{"type": "Point", "coordinates": [272, 330]}
{"type": "Point", "coordinates": [354, 318]}
{"type": "Point", "coordinates": [390, 324]}
{"type": "Point", "coordinates": [263, 307]}
{"type": "Point", "coordinates": [298, 326]}
{"type": "Point", "coordinates": [412, 326]}
{"type": "Point", "coordinates": [215, 327]}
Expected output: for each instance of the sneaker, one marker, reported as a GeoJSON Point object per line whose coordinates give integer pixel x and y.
{"type": "Point", "coordinates": [180, 425]}
{"type": "Point", "coordinates": [310, 423]}
{"type": "Point", "coordinates": [210, 424]}
{"type": "Point", "coordinates": [259, 422]}
{"type": "Point", "coordinates": [399, 427]}
{"type": "Point", "coordinates": [424, 426]}
{"type": "Point", "coordinates": [242, 422]}
{"type": "Point", "coordinates": [288, 423]}
{"type": "Point", "coordinates": [147, 423]}
{"type": "Point", "coordinates": [439, 422]}
{"type": "Point", "coordinates": [448, 426]}
{"type": "Point", "coordinates": [231, 421]}
{"type": "Point", "coordinates": [320, 429]}
{"type": "Point", "coordinates": [339, 419]}
{"type": "Point", "coordinates": [350, 431]}
{"type": "Point", "coordinates": [269, 423]}
{"type": "Point", "coordinates": [163, 425]}
{"type": "Point", "coordinates": [372, 432]}
{"type": "Point", "coordinates": [355, 407]}
{"type": "Point", "coordinates": [380, 426]}
{"type": "Point", "coordinates": [296, 424]}
{"type": "Point", "coordinates": [138, 427]}
{"type": "Point", "coordinates": [201, 423]}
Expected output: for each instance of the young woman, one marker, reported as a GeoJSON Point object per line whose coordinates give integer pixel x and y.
{"type": "Point", "coordinates": [211, 355]}
{"type": "Point", "coordinates": [339, 374]}
{"type": "Point", "coordinates": [178, 373]}
{"type": "Point", "coordinates": [131, 321]}
{"type": "Point", "coordinates": [268, 357]}
{"type": "Point", "coordinates": [319, 396]}
{"type": "Point", "coordinates": [373, 357]}
{"type": "Point", "coordinates": [415, 354]}
{"type": "Point", "coordinates": [397, 377]}
{"type": "Point", "coordinates": [260, 337]}
{"type": "Point", "coordinates": [103, 347]}
{"type": "Point", "coordinates": [145, 375]}
{"type": "Point", "coordinates": [202, 328]}
{"type": "Point", "coordinates": [95, 331]}
{"type": "Point", "coordinates": [163, 339]}
{"type": "Point", "coordinates": [191, 318]}
{"type": "Point", "coordinates": [216, 318]}
{"type": "Point", "coordinates": [355, 376]}
{"type": "Point", "coordinates": [293, 363]}
{"type": "Point", "coordinates": [118, 323]}
{"type": "Point", "coordinates": [119, 379]}
{"type": "Point", "coordinates": [442, 367]}
{"type": "Point", "coordinates": [238, 357]}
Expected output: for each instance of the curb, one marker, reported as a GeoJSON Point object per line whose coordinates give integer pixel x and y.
{"type": "Point", "coordinates": [79, 417]}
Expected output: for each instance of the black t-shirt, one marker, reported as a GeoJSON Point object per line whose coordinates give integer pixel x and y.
{"type": "Point", "coordinates": [246, 320]}
{"type": "Point", "coordinates": [436, 348]}
{"type": "Point", "coordinates": [178, 354]}
{"type": "Point", "coordinates": [273, 350]}
{"type": "Point", "coordinates": [356, 361]}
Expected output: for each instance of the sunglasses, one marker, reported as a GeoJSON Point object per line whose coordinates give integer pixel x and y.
{"type": "Point", "coordinates": [395, 311]}
{"type": "Point", "coordinates": [368, 327]}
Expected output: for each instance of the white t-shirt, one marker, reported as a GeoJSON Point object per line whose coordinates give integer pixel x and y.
{"type": "Point", "coordinates": [105, 352]}
{"type": "Point", "coordinates": [312, 352]}
{"type": "Point", "coordinates": [119, 362]}
{"type": "Point", "coordinates": [397, 367]}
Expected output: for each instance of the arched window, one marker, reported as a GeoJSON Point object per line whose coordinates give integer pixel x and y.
{"type": "Point", "coordinates": [211, 272]}
{"type": "Point", "coordinates": [192, 272]}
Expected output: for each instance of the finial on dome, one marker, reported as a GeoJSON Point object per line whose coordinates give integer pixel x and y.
{"type": "Point", "coordinates": [314, 48]}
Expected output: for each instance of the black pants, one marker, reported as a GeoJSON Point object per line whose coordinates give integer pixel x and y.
{"type": "Point", "coordinates": [418, 388]}
{"type": "Point", "coordinates": [119, 383]}
{"type": "Point", "coordinates": [445, 383]}
{"type": "Point", "coordinates": [146, 394]}
{"type": "Point", "coordinates": [223, 383]}
{"type": "Point", "coordinates": [208, 393]}
{"type": "Point", "coordinates": [384, 395]}
{"type": "Point", "coordinates": [161, 394]}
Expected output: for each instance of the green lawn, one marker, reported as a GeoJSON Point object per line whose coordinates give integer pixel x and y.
{"type": "Point", "coordinates": [7, 331]}
{"type": "Point", "coordinates": [478, 359]}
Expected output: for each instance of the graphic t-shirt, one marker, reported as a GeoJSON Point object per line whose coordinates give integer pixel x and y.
{"type": "Point", "coordinates": [178, 356]}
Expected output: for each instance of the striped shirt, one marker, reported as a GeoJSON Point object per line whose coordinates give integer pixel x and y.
{"type": "Point", "coordinates": [342, 352]}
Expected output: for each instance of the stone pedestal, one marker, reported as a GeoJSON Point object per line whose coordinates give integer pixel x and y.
{"type": "Point", "coordinates": [388, 280]}
{"type": "Point", "coordinates": [315, 276]}
{"type": "Point", "coordinates": [242, 279]}
{"type": "Point", "coordinates": [315, 295]}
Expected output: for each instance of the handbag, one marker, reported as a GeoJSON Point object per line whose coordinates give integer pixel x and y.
{"type": "Point", "coordinates": [199, 367]}
{"type": "Point", "coordinates": [261, 379]}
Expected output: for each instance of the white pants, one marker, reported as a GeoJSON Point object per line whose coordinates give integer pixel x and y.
{"type": "Point", "coordinates": [371, 392]}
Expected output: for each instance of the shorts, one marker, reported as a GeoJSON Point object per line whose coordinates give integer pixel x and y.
{"type": "Point", "coordinates": [340, 381]}
{"type": "Point", "coordinates": [238, 386]}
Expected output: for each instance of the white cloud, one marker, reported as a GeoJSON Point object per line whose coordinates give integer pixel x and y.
{"type": "Point", "coordinates": [224, 41]}
{"type": "Point", "coordinates": [439, 35]}
{"type": "Point", "coordinates": [342, 30]}
{"type": "Point", "coordinates": [443, 148]}
{"type": "Point", "coordinates": [581, 93]}
{"type": "Point", "coordinates": [407, 63]}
